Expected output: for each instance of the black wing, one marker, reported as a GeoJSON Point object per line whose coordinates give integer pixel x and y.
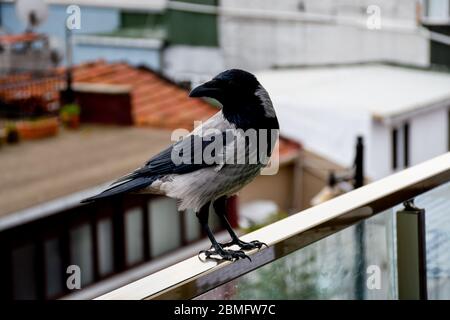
{"type": "Point", "coordinates": [182, 157]}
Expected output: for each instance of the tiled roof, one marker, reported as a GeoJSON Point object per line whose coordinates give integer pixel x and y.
{"type": "Point", "coordinates": [18, 38]}
{"type": "Point", "coordinates": [156, 101]}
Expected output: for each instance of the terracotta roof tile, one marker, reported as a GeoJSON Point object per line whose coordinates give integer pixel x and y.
{"type": "Point", "coordinates": [288, 148]}
{"type": "Point", "coordinates": [18, 38]}
{"type": "Point", "coordinates": [155, 100]}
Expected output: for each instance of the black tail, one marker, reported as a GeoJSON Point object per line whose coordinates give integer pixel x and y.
{"type": "Point", "coordinates": [124, 187]}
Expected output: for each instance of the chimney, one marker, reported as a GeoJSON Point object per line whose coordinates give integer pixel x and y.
{"type": "Point", "coordinates": [104, 103]}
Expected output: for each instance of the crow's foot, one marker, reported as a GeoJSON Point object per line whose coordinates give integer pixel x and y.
{"type": "Point", "coordinates": [219, 254]}
{"type": "Point", "coordinates": [255, 244]}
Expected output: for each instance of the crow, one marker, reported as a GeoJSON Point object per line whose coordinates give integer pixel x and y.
{"type": "Point", "coordinates": [214, 161]}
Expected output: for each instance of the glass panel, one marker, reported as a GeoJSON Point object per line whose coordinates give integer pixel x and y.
{"type": "Point", "coordinates": [380, 254]}
{"type": "Point", "coordinates": [24, 272]}
{"type": "Point", "coordinates": [164, 226]}
{"type": "Point", "coordinates": [192, 226]}
{"type": "Point", "coordinates": [437, 223]}
{"type": "Point", "coordinates": [105, 246]}
{"type": "Point", "coordinates": [134, 236]}
{"type": "Point", "coordinates": [81, 252]}
{"type": "Point", "coordinates": [327, 269]}
{"type": "Point", "coordinates": [53, 266]}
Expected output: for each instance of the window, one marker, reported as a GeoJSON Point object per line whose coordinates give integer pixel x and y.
{"type": "Point", "coordinates": [400, 147]}
{"type": "Point", "coordinates": [134, 236]}
{"type": "Point", "coordinates": [198, 29]}
{"type": "Point", "coordinates": [406, 145]}
{"type": "Point", "coordinates": [164, 216]}
{"type": "Point", "coordinates": [105, 246]}
{"type": "Point", "coordinates": [81, 252]}
{"type": "Point", "coordinates": [24, 272]}
{"type": "Point", "coordinates": [192, 226]}
{"type": "Point", "coordinates": [394, 149]}
{"type": "Point", "coordinates": [54, 267]}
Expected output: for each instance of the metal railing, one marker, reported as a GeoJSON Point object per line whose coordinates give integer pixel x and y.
{"type": "Point", "coordinates": [28, 94]}
{"type": "Point", "coordinates": [192, 277]}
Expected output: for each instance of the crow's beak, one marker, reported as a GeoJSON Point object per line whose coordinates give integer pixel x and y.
{"type": "Point", "coordinates": [210, 89]}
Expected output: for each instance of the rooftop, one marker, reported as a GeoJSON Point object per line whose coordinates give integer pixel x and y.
{"type": "Point", "coordinates": [73, 161]}
{"type": "Point", "coordinates": [356, 87]}
{"type": "Point", "coordinates": [156, 101]}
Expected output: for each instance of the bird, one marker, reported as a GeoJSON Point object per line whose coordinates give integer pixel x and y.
{"type": "Point", "coordinates": [240, 139]}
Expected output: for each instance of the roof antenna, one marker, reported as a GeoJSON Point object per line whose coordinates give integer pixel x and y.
{"type": "Point", "coordinates": [32, 13]}
{"type": "Point", "coordinates": [68, 94]}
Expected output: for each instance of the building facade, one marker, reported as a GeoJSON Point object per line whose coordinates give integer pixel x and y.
{"type": "Point", "coordinates": [402, 112]}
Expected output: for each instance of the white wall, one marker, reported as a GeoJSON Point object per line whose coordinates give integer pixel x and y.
{"type": "Point", "coordinates": [379, 151]}
{"type": "Point", "coordinates": [428, 138]}
{"type": "Point", "coordinates": [257, 43]}
{"type": "Point", "coordinates": [189, 63]}
{"type": "Point", "coordinates": [428, 135]}
{"type": "Point", "coordinates": [325, 130]}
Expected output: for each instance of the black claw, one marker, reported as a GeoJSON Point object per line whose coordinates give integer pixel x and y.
{"type": "Point", "coordinates": [217, 253]}
{"type": "Point", "coordinates": [246, 256]}
{"type": "Point", "coordinates": [259, 244]}
{"type": "Point", "coordinates": [229, 255]}
{"type": "Point", "coordinates": [255, 244]}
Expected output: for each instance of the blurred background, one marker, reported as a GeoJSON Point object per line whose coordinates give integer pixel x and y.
{"type": "Point", "coordinates": [89, 90]}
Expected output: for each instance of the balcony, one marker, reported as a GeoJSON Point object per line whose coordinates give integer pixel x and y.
{"type": "Point", "coordinates": [387, 240]}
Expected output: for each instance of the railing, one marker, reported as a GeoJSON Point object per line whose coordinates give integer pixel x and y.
{"type": "Point", "coordinates": [193, 278]}
{"type": "Point", "coordinates": [28, 94]}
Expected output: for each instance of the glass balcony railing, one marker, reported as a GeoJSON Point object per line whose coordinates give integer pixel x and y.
{"type": "Point", "coordinates": [387, 240]}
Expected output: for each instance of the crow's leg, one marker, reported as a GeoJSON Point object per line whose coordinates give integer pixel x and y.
{"type": "Point", "coordinates": [220, 206]}
{"type": "Point", "coordinates": [217, 252]}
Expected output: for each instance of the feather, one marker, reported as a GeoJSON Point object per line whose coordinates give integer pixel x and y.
{"type": "Point", "coordinates": [127, 186]}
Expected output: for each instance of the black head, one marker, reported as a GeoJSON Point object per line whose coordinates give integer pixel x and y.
{"type": "Point", "coordinates": [228, 86]}
{"type": "Point", "coordinates": [237, 91]}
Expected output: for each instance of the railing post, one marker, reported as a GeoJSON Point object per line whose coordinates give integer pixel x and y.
{"type": "Point", "coordinates": [360, 261]}
{"type": "Point", "coordinates": [411, 253]}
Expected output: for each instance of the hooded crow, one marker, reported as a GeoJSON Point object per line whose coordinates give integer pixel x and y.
{"type": "Point", "coordinates": [216, 160]}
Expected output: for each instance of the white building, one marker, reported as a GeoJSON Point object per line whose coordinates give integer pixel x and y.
{"type": "Point", "coordinates": [261, 34]}
{"type": "Point", "coordinates": [258, 35]}
{"type": "Point", "coordinates": [402, 113]}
